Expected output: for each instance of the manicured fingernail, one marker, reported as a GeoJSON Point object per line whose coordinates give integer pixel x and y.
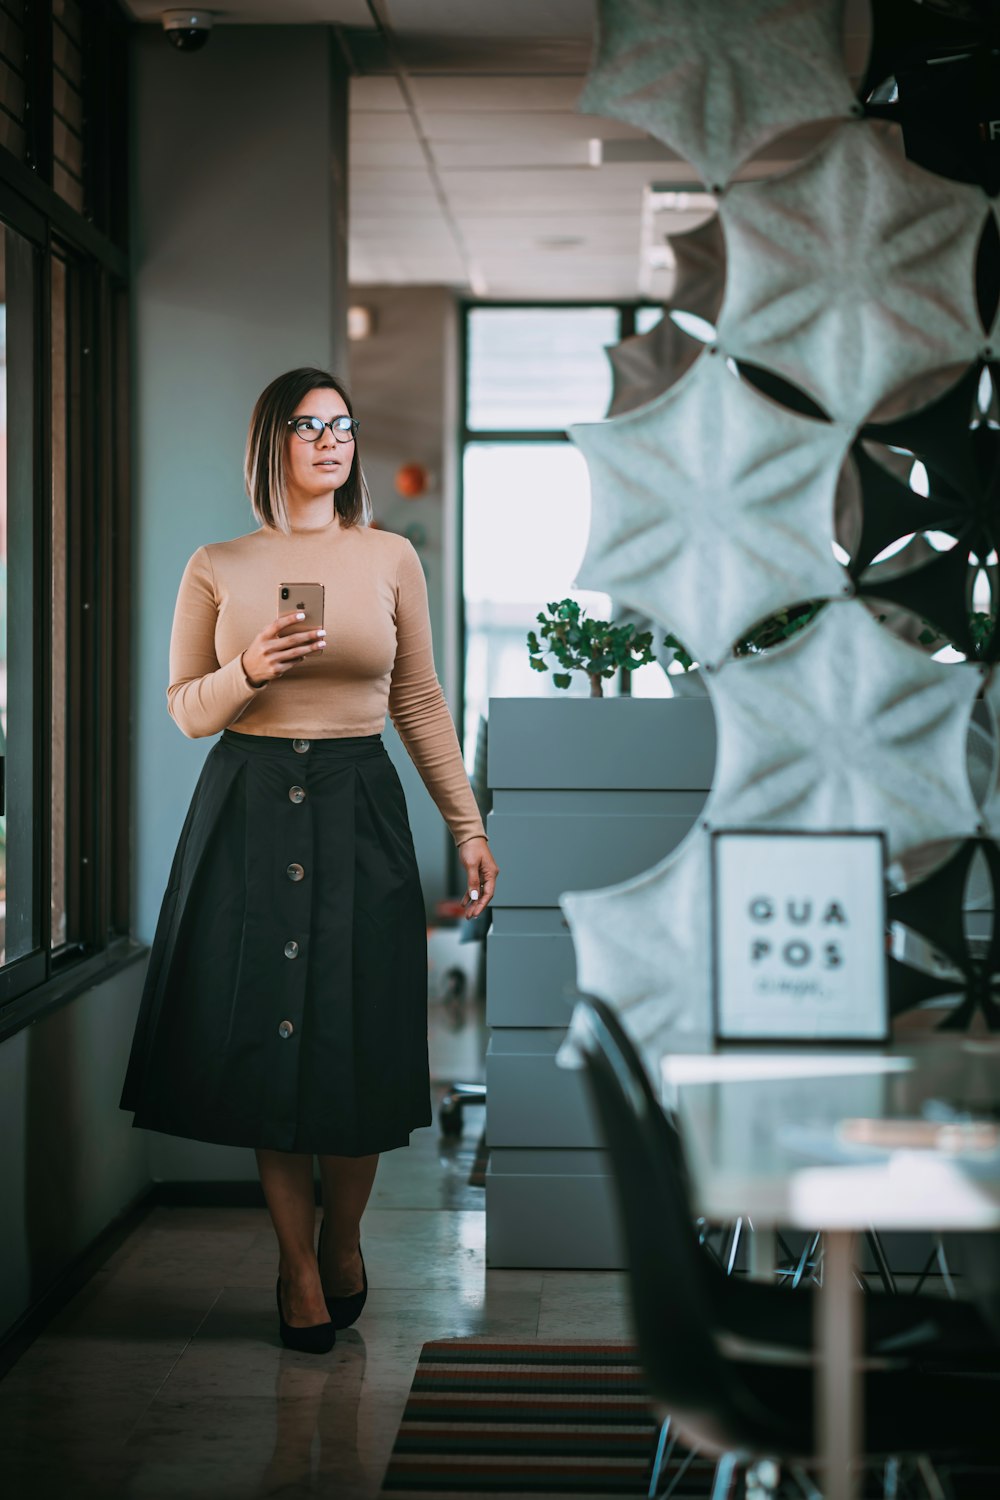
{"type": "Point", "coordinates": [300, 615]}
{"type": "Point", "coordinates": [474, 895]}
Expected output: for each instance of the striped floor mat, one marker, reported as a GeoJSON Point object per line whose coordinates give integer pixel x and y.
{"type": "Point", "coordinates": [530, 1419]}
{"type": "Point", "coordinates": [568, 1419]}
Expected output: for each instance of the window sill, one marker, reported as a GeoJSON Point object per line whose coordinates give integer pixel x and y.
{"type": "Point", "coordinates": [83, 975]}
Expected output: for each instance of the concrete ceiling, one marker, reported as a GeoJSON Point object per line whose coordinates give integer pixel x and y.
{"type": "Point", "coordinates": [469, 164]}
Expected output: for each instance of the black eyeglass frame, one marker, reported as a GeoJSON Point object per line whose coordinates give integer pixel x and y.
{"type": "Point", "coordinates": [354, 421]}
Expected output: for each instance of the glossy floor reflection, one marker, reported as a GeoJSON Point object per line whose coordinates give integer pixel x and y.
{"type": "Point", "coordinates": [164, 1376]}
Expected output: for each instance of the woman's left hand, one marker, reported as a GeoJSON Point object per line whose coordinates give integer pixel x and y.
{"type": "Point", "coordinates": [481, 874]}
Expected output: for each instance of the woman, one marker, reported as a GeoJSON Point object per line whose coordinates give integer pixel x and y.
{"type": "Point", "coordinates": [285, 1004]}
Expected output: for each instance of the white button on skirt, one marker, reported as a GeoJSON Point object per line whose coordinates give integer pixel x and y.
{"type": "Point", "coordinates": [236, 1045]}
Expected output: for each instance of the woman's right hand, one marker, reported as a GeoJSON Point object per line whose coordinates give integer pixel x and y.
{"type": "Point", "coordinates": [270, 654]}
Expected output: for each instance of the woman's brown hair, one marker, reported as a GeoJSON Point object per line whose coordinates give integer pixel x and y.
{"type": "Point", "coordinates": [263, 464]}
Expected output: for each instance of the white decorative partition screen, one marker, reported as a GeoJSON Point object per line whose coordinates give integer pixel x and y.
{"type": "Point", "coordinates": [832, 441]}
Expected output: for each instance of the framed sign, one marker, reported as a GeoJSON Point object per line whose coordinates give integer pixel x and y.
{"type": "Point", "coordinates": [798, 932]}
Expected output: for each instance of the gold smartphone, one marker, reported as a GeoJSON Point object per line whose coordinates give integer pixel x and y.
{"type": "Point", "coordinates": [307, 597]}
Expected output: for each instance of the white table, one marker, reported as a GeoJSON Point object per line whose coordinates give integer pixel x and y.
{"type": "Point", "coordinates": [750, 1118]}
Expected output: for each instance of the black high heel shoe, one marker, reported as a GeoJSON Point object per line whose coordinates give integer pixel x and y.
{"type": "Point", "coordinates": [315, 1338]}
{"type": "Point", "coordinates": [344, 1310]}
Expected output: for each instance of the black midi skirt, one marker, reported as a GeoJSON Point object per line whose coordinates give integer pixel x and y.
{"type": "Point", "coordinates": [285, 1003]}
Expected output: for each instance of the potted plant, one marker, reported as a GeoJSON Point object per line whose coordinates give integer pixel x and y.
{"type": "Point", "coordinates": [593, 646]}
{"type": "Point", "coordinates": [600, 648]}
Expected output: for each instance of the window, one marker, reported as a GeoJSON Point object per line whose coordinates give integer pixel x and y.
{"type": "Point", "coordinates": [64, 542]}
{"type": "Point", "coordinates": [13, 71]}
{"type": "Point", "coordinates": [61, 426]}
{"type": "Point", "coordinates": [525, 515]}
{"type": "Point", "coordinates": [18, 270]}
{"type": "Point", "coordinates": [539, 368]}
{"type": "Point", "coordinates": [67, 102]}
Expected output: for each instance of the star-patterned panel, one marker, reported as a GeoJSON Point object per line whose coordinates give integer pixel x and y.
{"type": "Point", "coordinates": [642, 946]}
{"type": "Point", "coordinates": [855, 284]}
{"type": "Point", "coordinates": [781, 66]}
{"type": "Point", "coordinates": [853, 273]}
{"type": "Point", "coordinates": [711, 508]}
{"type": "Point", "coordinates": [845, 727]}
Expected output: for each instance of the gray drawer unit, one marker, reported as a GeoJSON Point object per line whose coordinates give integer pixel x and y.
{"type": "Point", "coordinates": [530, 1100]}
{"type": "Point", "coordinates": [530, 967]}
{"type": "Point", "coordinates": [550, 1209]}
{"type": "Point", "coordinates": [586, 793]}
{"type": "Point", "coordinates": [632, 743]}
{"type": "Point", "coordinates": [546, 851]}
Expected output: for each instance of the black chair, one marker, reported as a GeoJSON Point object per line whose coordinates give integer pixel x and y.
{"type": "Point", "coordinates": [745, 1412]}
{"type": "Point", "coordinates": [929, 1329]}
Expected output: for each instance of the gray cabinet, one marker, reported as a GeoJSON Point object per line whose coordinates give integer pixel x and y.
{"type": "Point", "coordinates": [586, 792]}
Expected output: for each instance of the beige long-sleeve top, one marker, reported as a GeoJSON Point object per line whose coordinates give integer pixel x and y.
{"type": "Point", "coordinates": [378, 655]}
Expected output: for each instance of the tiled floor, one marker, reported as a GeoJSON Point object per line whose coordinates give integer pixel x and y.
{"type": "Point", "coordinates": [164, 1376]}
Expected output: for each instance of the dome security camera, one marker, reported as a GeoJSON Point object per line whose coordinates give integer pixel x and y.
{"type": "Point", "coordinates": [187, 30]}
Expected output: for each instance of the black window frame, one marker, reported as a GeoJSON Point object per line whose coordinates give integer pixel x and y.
{"type": "Point", "coordinates": [627, 313]}
{"type": "Point", "coordinates": [94, 246]}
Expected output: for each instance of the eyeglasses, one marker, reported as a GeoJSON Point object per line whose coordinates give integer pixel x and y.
{"type": "Point", "coordinates": [310, 428]}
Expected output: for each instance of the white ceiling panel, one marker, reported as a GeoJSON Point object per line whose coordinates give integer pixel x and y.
{"type": "Point", "coordinates": [504, 153]}
{"type": "Point", "coordinates": [509, 92]}
{"type": "Point", "coordinates": [420, 238]}
{"type": "Point", "coordinates": [584, 189]}
{"type": "Point", "coordinates": [365, 225]}
{"type": "Point", "coordinates": [598, 230]}
{"type": "Point", "coordinates": [520, 18]}
{"type": "Point", "coordinates": [368, 219]}
{"type": "Point", "coordinates": [522, 125]}
{"type": "Point", "coordinates": [381, 125]}
{"type": "Point", "coordinates": [388, 183]}
{"type": "Point", "coordinates": [376, 93]}
{"type": "Point", "coordinates": [569, 250]}
{"type": "Point", "coordinates": [395, 155]}
{"type": "Point", "coordinates": [525, 273]}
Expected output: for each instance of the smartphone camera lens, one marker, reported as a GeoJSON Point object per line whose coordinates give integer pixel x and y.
{"type": "Point", "coordinates": [284, 593]}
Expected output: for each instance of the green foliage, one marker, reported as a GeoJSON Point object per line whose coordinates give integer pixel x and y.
{"type": "Point", "coordinates": [682, 656]}
{"type": "Point", "coordinates": [980, 629]}
{"type": "Point", "coordinates": [777, 628]}
{"type": "Point", "coordinates": [770, 632]}
{"type": "Point", "coordinates": [601, 649]}
{"type": "Point", "coordinates": [593, 646]}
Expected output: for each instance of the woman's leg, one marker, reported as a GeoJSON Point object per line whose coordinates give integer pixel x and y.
{"type": "Point", "coordinates": [347, 1184]}
{"type": "Point", "coordinates": [287, 1179]}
